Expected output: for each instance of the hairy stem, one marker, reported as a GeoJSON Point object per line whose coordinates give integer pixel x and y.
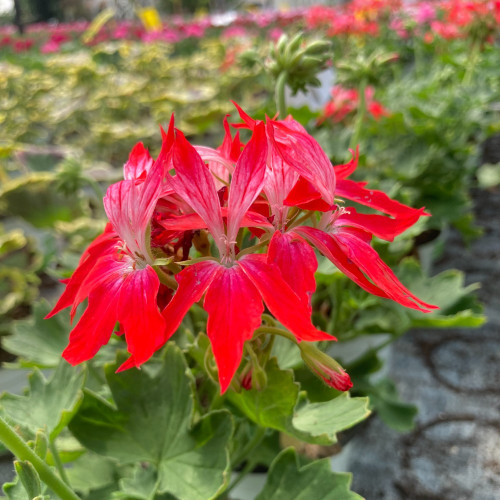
{"type": "Point", "coordinates": [23, 452]}
{"type": "Point", "coordinates": [472, 59]}
{"type": "Point", "coordinates": [57, 462]}
{"type": "Point", "coordinates": [280, 94]}
{"type": "Point", "coordinates": [360, 117]}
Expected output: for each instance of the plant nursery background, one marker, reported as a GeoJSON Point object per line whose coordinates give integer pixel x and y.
{"type": "Point", "coordinates": [414, 85]}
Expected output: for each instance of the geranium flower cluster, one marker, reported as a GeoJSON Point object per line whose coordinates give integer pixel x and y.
{"type": "Point", "coordinates": [266, 206]}
{"type": "Point", "coordinates": [345, 101]}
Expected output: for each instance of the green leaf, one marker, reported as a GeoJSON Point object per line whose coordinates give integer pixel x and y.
{"type": "Point", "coordinates": [141, 485]}
{"type": "Point", "coordinates": [275, 407]}
{"type": "Point", "coordinates": [320, 422]}
{"type": "Point", "coordinates": [91, 472]}
{"type": "Point", "coordinates": [303, 114]}
{"type": "Point", "coordinates": [152, 422]}
{"type": "Point", "coordinates": [272, 406]}
{"type": "Point", "coordinates": [286, 352]}
{"type": "Point", "coordinates": [316, 390]}
{"type": "Point", "coordinates": [395, 413]}
{"type": "Point", "coordinates": [458, 304]}
{"type": "Point", "coordinates": [287, 481]}
{"type": "Point", "coordinates": [38, 341]}
{"type": "Point", "coordinates": [15, 490]}
{"type": "Point", "coordinates": [48, 404]}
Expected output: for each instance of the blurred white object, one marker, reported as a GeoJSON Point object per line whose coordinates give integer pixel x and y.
{"type": "Point", "coordinates": [6, 6]}
{"type": "Point", "coordinates": [224, 19]}
{"type": "Point", "coordinates": [314, 97]}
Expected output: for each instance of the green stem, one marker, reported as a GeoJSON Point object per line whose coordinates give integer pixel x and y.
{"type": "Point", "coordinates": [251, 353]}
{"type": "Point", "coordinates": [22, 451]}
{"type": "Point", "coordinates": [360, 117]}
{"type": "Point", "coordinates": [269, 319]}
{"type": "Point", "coordinates": [251, 445]}
{"type": "Point", "coordinates": [58, 463]}
{"type": "Point", "coordinates": [166, 279]}
{"type": "Point", "coordinates": [418, 56]}
{"type": "Point", "coordinates": [275, 331]}
{"type": "Point", "coordinates": [95, 186]}
{"type": "Point", "coordinates": [252, 249]}
{"type": "Point", "coordinates": [280, 94]}
{"type": "Point", "coordinates": [471, 62]}
{"type": "Point", "coordinates": [249, 467]}
{"type": "Point", "coordinates": [152, 495]}
{"type": "Point", "coordinates": [301, 219]}
{"type": "Point", "coordinates": [337, 303]}
{"type": "Point", "coordinates": [266, 353]}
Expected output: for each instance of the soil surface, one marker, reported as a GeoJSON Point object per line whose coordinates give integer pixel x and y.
{"type": "Point", "coordinates": [453, 377]}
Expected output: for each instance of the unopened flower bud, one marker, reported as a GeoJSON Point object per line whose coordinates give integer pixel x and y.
{"type": "Point", "coordinates": [324, 367]}
{"type": "Point", "coordinates": [246, 380]}
{"type": "Point", "coordinates": [259, 378]}
{"type": "Point", "coordinates": [41, 444]}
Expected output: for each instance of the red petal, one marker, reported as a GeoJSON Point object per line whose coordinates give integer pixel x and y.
{"type": "Point", "coordinates": [254, 219]}
{"type": "Point", "coordinates": [305, 155]}
{"type": "Point", "coordinates": [247, 180]}
{"type": "Point", "coordinates": [302, 192]}
{"type": "Point", "coordinates": [296, 261]}
{"type": "Point", "coordinates": [107, 268]}
{"type": "Point", "coordinates": [101, 246]}
{"type": "Point", "coordinates": [183, 222]}
{"type": "Point", "coordinates": [139, 316]}
{"type": "Point", "coordinates": [249, 122]}
{"type": "Point", "coordinates": [167, 141]}
{"type": "Point", "coordinates": [195, 184]}
{"type": "Point", "coordinates": [345, 170]}
{"type": "Point", "coordinates": [231, 148]}
{"type": "Point", "coordinates": [332, 251]}
{"type": "Point", "coordinates": [380, 225]}
{"type": "Point", "coordinates": [234, 309]}
{"type": "Point", "coordinates": [304, 195]}
{"type": "Point", "coordinates": [96, 324]}
{"type": "Point", "coordinates": [130, 205]}
{"type": "Point", "coordinates": [193, 281]}
{"type": "Point", "coordinates": [355, 191]}
{"type": "Point", "coordinates": [281, 300]}
{"type": "Point", "coordinates": [138, 164]}
{"type": "Point", "coordinates": [194, 221]}
{"type": "Point", "coordinates": [368, 260]}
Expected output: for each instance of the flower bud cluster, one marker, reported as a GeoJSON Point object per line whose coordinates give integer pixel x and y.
{"type": "Point", "coordinates": [301, 61]}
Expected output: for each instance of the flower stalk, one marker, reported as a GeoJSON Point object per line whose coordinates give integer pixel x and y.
{"type": "Point", "coordinates": [280, 94]}
{"type": "Point", "coordinates": [472, 60]}
{"type": "Point", "coordinates": [22, 451]}
{"type": "Point", "coordinates": [360, 117]}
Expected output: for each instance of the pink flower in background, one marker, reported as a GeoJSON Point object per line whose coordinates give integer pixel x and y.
{"type": "Point", "coordinates": [121, 32]}
{"type": "Point", "coordinates": [424, 12]}
{"type": "Point", "coordinates": [50, 47]}
{"type": "Point", "coordinates": [5, 40]}
{"type": "Point", "coordinates": [23, 45]}
{"type": "Point", "coordinates": [234, 32]}
{"type": "Point", "coordinates": [275, 34]}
